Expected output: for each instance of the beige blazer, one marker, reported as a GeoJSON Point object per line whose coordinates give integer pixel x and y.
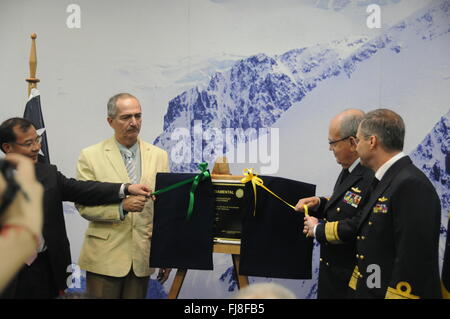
{"type": "Point", "coordinates": [112, 246]}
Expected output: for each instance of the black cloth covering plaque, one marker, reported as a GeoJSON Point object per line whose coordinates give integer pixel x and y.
{"type": "Point", "coordinates": [176, 241]}
{"type": "Point", "coordinates": [273, 243]}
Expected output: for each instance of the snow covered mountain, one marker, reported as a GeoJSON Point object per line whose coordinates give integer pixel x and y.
{"type": "Point", "coordinates": [432, 156]}
{"type": "Point", "coordinates": [293, 89]}
{"type": "Point", "coordinates": [192, 70]}
{"type": "Point", "coordinates": [257, 90]}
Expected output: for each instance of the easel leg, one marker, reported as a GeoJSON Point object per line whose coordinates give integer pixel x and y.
{"type": "Point", "coordinates": [177, 283]}
{"type": "Point", "coordinates": [241, 280]}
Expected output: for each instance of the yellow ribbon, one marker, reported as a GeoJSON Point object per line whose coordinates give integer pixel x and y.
{"type": "Point", "coordinates": [305, 208]}
{"type": "Point", "coordinates": [249, 176]}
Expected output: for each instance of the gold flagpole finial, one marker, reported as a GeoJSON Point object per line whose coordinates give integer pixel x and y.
{"type": "Point", "coordinates": [32, 80]}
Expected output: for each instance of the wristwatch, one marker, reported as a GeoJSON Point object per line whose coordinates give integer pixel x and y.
{"type": "Point", "coordinates": [126, 192]}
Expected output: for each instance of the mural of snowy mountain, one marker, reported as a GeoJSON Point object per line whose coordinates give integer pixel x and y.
{"type": "Point", "coordinates": [286, 65]}
{"type": "Point", "coordinates": [258, 90]}
{"type": "Point", "coordinates": [301, 89]}
{"type": "Point", "coordinates": [432, 156]}
{"type": "Point", "coordinates": [193, 70]}
{"type": "Point", "coordinates": [338, 5]}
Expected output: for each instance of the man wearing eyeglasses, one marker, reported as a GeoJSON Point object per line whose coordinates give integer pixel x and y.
{"type": "Point", "coordinates": [45, 275]}
{"type": "Point", "coordinates": [335, 218]}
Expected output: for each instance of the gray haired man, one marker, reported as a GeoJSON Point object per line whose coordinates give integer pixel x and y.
{"type": "Point", "coordinates": [334, 219]}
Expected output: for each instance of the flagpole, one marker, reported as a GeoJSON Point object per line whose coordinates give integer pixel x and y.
{"type": "Point", "coordinates": [32, 80]}
{"type": "Point", "coordinates": [33, 110]}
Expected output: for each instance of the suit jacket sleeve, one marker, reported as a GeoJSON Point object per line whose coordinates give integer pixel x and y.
{"type": "Point", "coordinates": [89, 193]}
{"type": "Point", "coordinates": [166, 163]}
{"type": "Point", "coordinates": [165, 169]}
{"type": "Point", "coordinates": [346, 230]}
{"type": "Point", "coordinates": [416, 221]}
{"type": "Point", "coordinates": [85, 172]}
{"type": "Point", "coordinates": [319, 211]}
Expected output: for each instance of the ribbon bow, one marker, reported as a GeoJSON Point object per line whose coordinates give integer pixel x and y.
{"type": "Point", "coordinates": [250, 177]}
{"type": "Point", "coordinates": [204, 174]}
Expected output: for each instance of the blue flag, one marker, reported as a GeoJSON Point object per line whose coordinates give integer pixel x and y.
{"type": "Point", "coordinates": [33, 113]}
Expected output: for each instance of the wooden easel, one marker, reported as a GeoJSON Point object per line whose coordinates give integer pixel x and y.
{"type": "Point", "coordinates": [221, 170]}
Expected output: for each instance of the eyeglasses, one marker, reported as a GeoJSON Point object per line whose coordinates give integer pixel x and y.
{"type": "Point", "coordinates": [38, 140]}
{"type": "Point", "coordinates": [336, 141]}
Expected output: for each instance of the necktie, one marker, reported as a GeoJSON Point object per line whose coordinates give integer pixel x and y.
{"type": "Point", "coordinates": [130, 165]}
{"type": "Point", "coordinates": [342, 176]}
{"type": "Point", "coordinates": [374, 184]}
{"type": "Point", "coordinates": [345, 173]}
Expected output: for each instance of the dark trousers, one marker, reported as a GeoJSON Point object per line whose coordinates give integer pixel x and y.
{"type": "Point", "coordinates": [36, 281]}
{"type": "Point", "coordinates": [10, 291]}
{"type": "Point", "coordinates": [128, 287]}
{"type": "Point", "coordinates": [333, 283]}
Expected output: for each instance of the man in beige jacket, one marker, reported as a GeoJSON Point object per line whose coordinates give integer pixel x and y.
{"type": "Point", "coordinates": [116, 248]}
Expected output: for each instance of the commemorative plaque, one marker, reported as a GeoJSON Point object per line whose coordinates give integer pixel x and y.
{"type": "Point", "coordinates": [229, 205]}
{"type": "Point", "coordinates": [227, 211]}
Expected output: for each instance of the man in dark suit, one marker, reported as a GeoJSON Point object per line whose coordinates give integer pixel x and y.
{"type": "Point", "coordinates": [46, 274]}
{"type": "Point", "coordinates": [338, 215]}
{"type": "Point", "coordinates": [397, 254]}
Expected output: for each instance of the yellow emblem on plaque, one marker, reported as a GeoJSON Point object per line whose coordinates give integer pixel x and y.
{"type": "Point", "coordinates": [239, 193]}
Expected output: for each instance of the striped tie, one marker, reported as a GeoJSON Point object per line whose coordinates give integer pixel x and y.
{"type": "Point", "coordinates": [130, 165]}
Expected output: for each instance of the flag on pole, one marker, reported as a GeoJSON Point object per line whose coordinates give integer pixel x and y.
{"type": "Point", "coordinates": [33, 113]}
{"type": "Point", "coordinates": [445, 281]}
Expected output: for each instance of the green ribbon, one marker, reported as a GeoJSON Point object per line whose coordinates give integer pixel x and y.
{"type": "Point", "coordinates": [197, 179]}
{"type": "Point", "coordinates": [204, 174]}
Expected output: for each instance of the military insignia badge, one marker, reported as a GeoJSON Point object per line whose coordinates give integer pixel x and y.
{"type": "Point", "coordinates": [356, 190]}
{"type": "Point", "coordinates": [380, 208]}
{"type": "Point", "coordinates": [352, 199]}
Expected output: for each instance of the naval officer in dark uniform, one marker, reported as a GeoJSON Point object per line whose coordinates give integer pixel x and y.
{"type": "Point", "coordinates": [398, 250]}
{"type": "Point", "coordinates": [338, 215]}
